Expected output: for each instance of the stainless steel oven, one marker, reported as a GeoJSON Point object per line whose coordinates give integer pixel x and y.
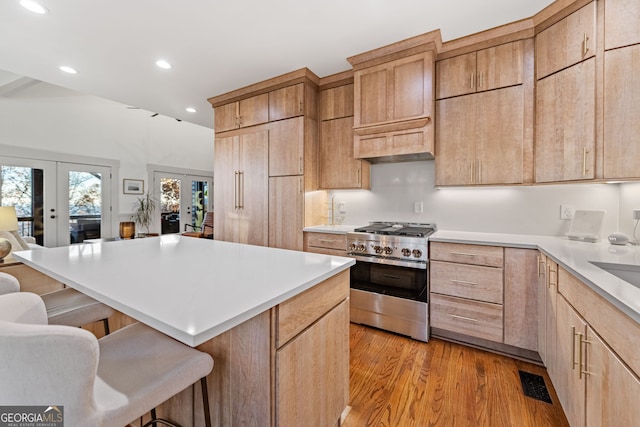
{"type": "Point", "coordinates": [389, 283]}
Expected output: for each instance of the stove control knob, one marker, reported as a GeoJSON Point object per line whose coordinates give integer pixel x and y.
{"type": "Point", "coordinates": [352, 247]}
{"type": "Point", "coordinates": [406, 252]}
{"type": "Point", "coordinates": [361, 248]}
{"type": "Point", "coordinates": [387, 250]}
{"type": "Point", "coordinates": [417, 253]}
{"type": "Point", "coordinates": [377, 249]}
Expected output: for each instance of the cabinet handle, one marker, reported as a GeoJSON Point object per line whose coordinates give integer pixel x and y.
{"type": "Point", "coordinates": [358, 176]}
{"type": "Point", "coordinates": [239, 121]}
{"type": "Point", "coordinates": [388, 276]}
{"type": "Point", "coordinates": [585, 48]}
{"type": "Point", "coordinates": [241, 190]}
{"type": "Point", "coordinates": [235, 190]}
{"type": "Point", "coordinates": [300, 185]}
{"type": "Point", "coordinates": [573, 348]}
{"type": "Point", "coordinates": [540, 262]}
{"type": "Point", "coordinates": [468, 319]}
{"type": "Point", "coordinates": [462, 253]}
{"type": "Point", "coordinates": [300, 165]}
{"type": "Point", "coordinates": [473, 81]}
{"type": "Point", "coordinates": [583, 363]}
{"type": "Point", "coordinates": [584, 161]}
{"type": "Point", "coordinates": [300, 106]}
{"type": "Point", "coordinates": [549, 275]}
{"type": "Point", "coordinates": [479, 181]}
{"type": "Point", "coordinates": [480, 80]}
{"type": "Point", "coordinates": [471, 172]}
{"type": "Point", "coordinates": [464, 282]}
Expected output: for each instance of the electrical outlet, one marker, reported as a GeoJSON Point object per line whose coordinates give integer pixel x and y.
{"type": "Point", "coordinates": [567, 211]}
{"type": "Point", "coordinates": [418, 207]}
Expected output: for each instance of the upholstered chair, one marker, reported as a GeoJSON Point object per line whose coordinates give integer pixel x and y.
{"type": "Point", "coordinates": [108, 382]}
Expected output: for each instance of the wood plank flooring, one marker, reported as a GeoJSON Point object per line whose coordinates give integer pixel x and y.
{"type": "Point", "coordinates": [399, 382]}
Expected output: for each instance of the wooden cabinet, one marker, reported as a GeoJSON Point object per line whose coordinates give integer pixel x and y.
{"type": "Point", "coordinates": [242, 187]}
{"type": "Point", "coordinates": [565, 130]}
{"type": "Point", "coordinates": [622, 111]}
{"type": "Point", "coordinates": [521, 298]}
{"type": "Point", "coordinates": [286, 147]}
{"type": "Point", "coordinates": [244, 113]}
{"type": "Point", "coordinates": [567, 42]}
{"type": "Point", "coordinates": [312, 355]}
{"type": "Point", "coordinates": [466, 295]}
{"type": "Point", "coordinates": [338, 168]}
{"type": "Point", "coordinates": [292, 101]}
{"type": "Point", "coordinates": [621, 23]}
{"type": "Point", "coordinates": [480, 138]}
{"type": "Point", "coordinates": [393, 100]}
{"type": "Point", "coordinates": [486, 69]}
{"type": "Point", "coordinates": [325, 243]}
{"type": "Point", "coordinates": [286, 212]}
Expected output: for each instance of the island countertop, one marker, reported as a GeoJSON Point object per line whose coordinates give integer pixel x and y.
{"type": "Point", "coordinates": [190, 289]}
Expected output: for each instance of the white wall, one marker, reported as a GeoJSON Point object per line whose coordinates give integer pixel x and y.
{"type": "Point", "coordinates": [52, 118]}
{"type": "Point", "coordinates": [520, 210]}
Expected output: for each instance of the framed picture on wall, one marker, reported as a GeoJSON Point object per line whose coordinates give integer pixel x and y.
{"type": "Point", "coordinates": [133, 186]}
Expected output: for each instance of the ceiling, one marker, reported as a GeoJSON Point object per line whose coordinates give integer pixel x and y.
{"type": "Point", "coordinates": [217, 46]}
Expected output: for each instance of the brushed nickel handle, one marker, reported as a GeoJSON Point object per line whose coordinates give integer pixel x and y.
{"type": "Point", "coordinates": [468, 319]}
{"type": "Point", "coordinates": [584, 161]}
{"type": "Point", "coordinates": [242, 190]}
{"type": "Point", "coordinates": [358, 176]}
{"type": "Point", "coordinates": [580, 336]}
{"type": "Point", "coordinates": [464, 282]}
{"type": "Point", "coordinates": [235, 190]}
{"type": "Point", "coordinates": [583, 364]}
{"type": "Point", "coordinates": [300, 185]}
{"type": "Point", "coordinates": [480, 80]}
{"type": "Point", "coordinates": [300, 165]}
{"type": "Point", "coordinates": [540, 262]}
{"type": "Point", "coordinates": [573, 348]}
{"type": "Point", "coordinates": [473, 81]}
{"type": "Point", "coordinates": [462, 253]}
{"type": "Point", "coordinates": [479, 181]}
{"type": "Point", "coordinates": [585, 48]}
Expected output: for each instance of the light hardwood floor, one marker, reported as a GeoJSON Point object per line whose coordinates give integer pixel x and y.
{"type": "Point", "coordinates": [399, 382]}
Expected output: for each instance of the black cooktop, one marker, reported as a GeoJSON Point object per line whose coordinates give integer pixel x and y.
{"type": "Point", "coordinates": [398, 229]}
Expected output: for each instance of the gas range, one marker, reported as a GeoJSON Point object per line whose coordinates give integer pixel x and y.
{"type": "Point", "coordinates": [395, 243]}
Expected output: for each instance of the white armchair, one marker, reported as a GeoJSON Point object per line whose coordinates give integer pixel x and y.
{"type": "Point", "coordinates": [106, 382]}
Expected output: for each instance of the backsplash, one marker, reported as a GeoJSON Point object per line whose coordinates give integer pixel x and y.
{"type": "Point", "coordinates": [517, 210]}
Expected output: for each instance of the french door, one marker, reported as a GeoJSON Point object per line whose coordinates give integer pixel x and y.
{"type": "Point", "coordinates": [84, 202]}
{"type": "Point", "coordinates": [184, 199]}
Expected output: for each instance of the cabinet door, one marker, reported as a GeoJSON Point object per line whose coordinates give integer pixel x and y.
{"type": "Point", "coordinates": [286, 212]}
{"type": "Point", "coordinates": [312, 373]}
{"type": "Point", "coordinates": [456, 76]}
{"type": "Point", "coordinates": [286, 102]}
{"type": "Point", "coordinates": [455, 154]}
{"type": "Point", "coordinates": [520, 298]}
{"type": "Point", "coordinates": [621, 113]}
{"type": "Point", "coordinates": [500, 66]}
{"type": "Point", "coordinates": [565, 134]}
{"type": "Point", "coordinates": [370, 105]}
{"type": "Point", "coordinates": [253, 217]}
{"type": "Point", "coordinates": [612, 389]}
{"type": "Point", "coordinates": [225, 117]}
{"type": "Point", "coordinates": [338, 167]}
{"type": "Point", "coordinates": [568, 382]}
{"type": "Point", "coordinates": [286, 147]}
{"type": "Point", "coordinates": [621, 23]}
{"type": "Point", "coordinates": [253, 111]}
{"type": "Point", "coordinates": [551, 319]}
{"type": "Point", "coordinates": [225, 193]}
{"type": "Point", "coordinates": [567, 42]}
{"type": "Point", "coordinates": [542, 307]}
{"type": "Point", "coordinates": [499, 136]}
{"type": "Point", "coordinates": [336, 102]}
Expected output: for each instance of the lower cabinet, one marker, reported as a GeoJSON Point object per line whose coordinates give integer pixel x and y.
{"type": "Point", "coordinates": [594, 384]}
{"type": "Point", "coordinates": [326, 243]}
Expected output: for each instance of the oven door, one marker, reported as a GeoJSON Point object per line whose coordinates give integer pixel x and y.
{"type": "Point", "coordinates": [401, 282]}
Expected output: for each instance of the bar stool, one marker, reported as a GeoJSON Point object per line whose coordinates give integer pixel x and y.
{"type": "Point", "coordinates": [65, 306]}
{"type": "Point", "coordinates": [107, 382]}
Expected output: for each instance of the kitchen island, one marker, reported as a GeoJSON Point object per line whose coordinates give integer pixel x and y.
{"type": "Point", "coordinates": [275, 321]}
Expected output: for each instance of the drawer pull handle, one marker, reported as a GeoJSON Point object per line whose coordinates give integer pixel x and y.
{"type": "Point", "coordinates": [463, 254]}
{"type": "Point", "coordinates": [464, 282]}
{"type": "Point", "coordinates": [468, 319]}
{"type": "Point", "coordinates": [388, 276]}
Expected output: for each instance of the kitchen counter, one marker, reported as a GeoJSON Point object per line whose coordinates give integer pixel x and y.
{"type": "Point", "coordinates": [335, 229]}
{"type": "Point", "coordinates": [575, 257]}
{"type": "Point", "coordinates": [190, 289]}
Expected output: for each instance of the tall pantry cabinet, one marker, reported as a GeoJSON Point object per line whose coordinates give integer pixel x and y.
{"type": "Point", "coordinates": [265, 166]}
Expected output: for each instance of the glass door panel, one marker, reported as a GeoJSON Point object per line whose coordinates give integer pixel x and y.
{"type": "Point", "coordinates": [87, 211]}
{"type": "Point", "coordinates": [184, 199]}
{"type": "Point", "coordinates": [170, 204]}
{"type": "Point", "coordinates": [29, 185]}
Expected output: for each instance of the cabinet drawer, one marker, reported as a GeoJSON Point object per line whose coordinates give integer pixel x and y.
{"type": "Point", "coordinates": [467, 281]}
{"type": "Point", "coordinates": [474, 318]}
{"type": "Point", "coordinates": [299, 312]}
{"type": "Point", "coordinates": [325, 240]}
{"type": "Point", "coordinates": [491, 256]}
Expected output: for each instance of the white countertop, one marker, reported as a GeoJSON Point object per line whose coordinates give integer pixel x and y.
{"type": "Point", "coordinates": [335, 229]}
{"type": "Point", "coordinates": [190, 289]}
{"type": "Point", "coordinates": [574, 256]}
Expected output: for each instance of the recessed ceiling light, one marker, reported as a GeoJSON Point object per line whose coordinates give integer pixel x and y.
{"type": "Point", "coordinates": [34, 7]}
{"type": "Point", "coordinates": [163, 64]}
{"type": "Point", "coordinates": [68, 70]}
{"type": "Point", "coordinates": [191, 110]}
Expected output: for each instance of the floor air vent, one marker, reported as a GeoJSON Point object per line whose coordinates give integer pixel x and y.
{"type": "Point", "coordinates": [533, 386]}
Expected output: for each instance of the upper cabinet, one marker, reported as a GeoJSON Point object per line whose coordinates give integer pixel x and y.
{"type": "Point", "coordinates": [394, 100]}
{"type": "Point", "coordinates": [621, 23]}
{"type": "Point", "coordinates": [567, 42]}
{"type": "Point", "coordinates": [244, 113]}
{"type": "Point", "coordinates": [486, 69]}
{"type": "Point", "coordinates": [292, 101]}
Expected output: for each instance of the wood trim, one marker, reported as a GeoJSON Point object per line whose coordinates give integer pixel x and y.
{"type": "Point", "coordinates": [430, 41]}
{"type": "Point", "coordinates": [394, 126]}
{"type": "Point", "coordinates": [555, 12]}
{"type": "Point", "coordinates": [335, 80]}
{"type": "Point", "coordinates": [303, 75]}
